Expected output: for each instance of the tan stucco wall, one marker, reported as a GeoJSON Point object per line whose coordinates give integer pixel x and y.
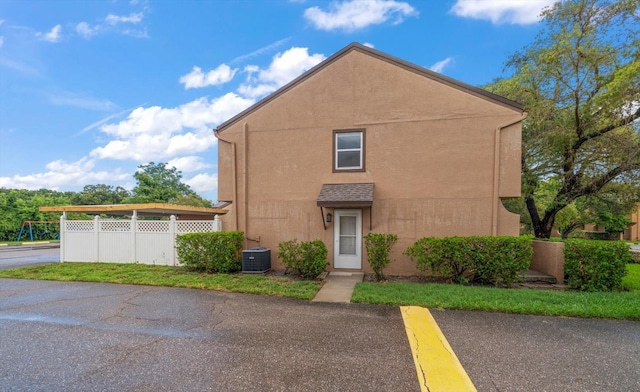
{"type": "Point", "coordinates": [548, 258]}
{"type": "Point", "coordinates": [632, 232]}
{"type": "Point", "coordinates": [430, 151]}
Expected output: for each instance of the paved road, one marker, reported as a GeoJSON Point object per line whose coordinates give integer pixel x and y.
{"type": "Point", "coordinates": [502, 352]}
{"type": "Point", "coordinates": [25, 255]}
{"type": "Point", "coordinates": [57, 336]}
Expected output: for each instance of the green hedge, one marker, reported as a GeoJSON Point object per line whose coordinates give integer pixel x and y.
{"type": "Point", "coordinates": [378, 249]}
{"type": "Point", "coordinates": [494, 260]}
{"type": "Point", "coordinates": [307, 259]}
{"type": "Point", "coordinates": [602, 235]}
{"type": "Point", "coordinates": [595, 265]}
{"type": "Point", "coordinates": [211, 252]}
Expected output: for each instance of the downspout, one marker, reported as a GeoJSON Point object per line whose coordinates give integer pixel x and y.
{"type": "Point", "coordinates": [245, 182]}
{"type": "Point", "coordinates": [496, 172]}
{"type": "Point", "coordinates": [235, 176]}
{"type": "Point", "coordinates": [245, 159]}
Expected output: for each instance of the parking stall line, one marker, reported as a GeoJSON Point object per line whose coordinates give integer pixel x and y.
{"type": "Point", "coordinates": [437, 365]}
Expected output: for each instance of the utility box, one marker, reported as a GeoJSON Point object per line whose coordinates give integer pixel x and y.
{"type": "Point", "coordinates": [256, 260]}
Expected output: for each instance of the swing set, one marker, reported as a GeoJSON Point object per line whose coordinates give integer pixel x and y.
{"type": "Point", "coordinates": [41, 229]}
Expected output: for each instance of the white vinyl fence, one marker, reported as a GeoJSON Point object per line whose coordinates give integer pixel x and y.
{"type": "Point", "coordinates": [127, 241]}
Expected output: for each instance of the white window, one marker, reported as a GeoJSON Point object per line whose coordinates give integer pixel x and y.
{"type": "Point", "coordinates": [349, 150]}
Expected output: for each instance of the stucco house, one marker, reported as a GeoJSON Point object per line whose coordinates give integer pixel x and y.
{"type": "Point", "coordinates": [365, 142]}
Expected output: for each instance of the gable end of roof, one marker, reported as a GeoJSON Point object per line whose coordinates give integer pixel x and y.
{"type": "Point", "coordinates": [381, 56]}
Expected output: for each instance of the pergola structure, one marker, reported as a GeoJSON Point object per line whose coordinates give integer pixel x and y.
{"type": "Point", "coordinates": [143, 209]}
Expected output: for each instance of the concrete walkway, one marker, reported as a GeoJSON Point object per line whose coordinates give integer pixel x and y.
{"type": "Point", "coordinates": [338, 287]}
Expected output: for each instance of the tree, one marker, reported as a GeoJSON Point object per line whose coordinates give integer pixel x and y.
{"type": "Point", "coordinates": [100, 194]}
{"type": "Point", "coordinates": [158, 184]}
{"type": "Point", "coordinates": [580, 82]}
{"type": "Point", "coordinates": [19, 205]}
{"type": "Point", "coordinates": [612, 207]}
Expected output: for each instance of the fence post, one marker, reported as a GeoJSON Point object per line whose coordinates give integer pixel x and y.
{"type": "Point", "coordinates": [63, 228]}
{"type": "Point", "coordinates": [134, 237]}
{"type": "Point", "coordinates": [96, 232]}
{"type": "Point", "coordinates": [172, 233]}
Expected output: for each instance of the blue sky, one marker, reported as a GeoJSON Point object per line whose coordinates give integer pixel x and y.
{"type": "Point", "coordinates": [89, 90]}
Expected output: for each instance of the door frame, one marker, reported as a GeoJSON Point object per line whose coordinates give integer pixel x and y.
{"type": "Point", "coordinates": [346, 261]}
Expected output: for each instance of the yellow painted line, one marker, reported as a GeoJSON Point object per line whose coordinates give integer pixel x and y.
{"type": "Point", "coordinates": [437, 365]}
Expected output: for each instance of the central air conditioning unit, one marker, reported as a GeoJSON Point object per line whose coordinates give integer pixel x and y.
{"type": "Point", "coordinates": [256, 260]}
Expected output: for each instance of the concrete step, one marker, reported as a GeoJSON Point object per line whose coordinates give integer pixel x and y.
{"type": "Point", "coordinates": [531, 276]}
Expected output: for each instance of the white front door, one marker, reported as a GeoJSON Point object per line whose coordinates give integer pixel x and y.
{"type": "Point", "coordinates": [347, 233]}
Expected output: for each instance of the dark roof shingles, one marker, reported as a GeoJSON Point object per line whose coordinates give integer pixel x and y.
{"type": "Point", "coordinates": [344, 194]}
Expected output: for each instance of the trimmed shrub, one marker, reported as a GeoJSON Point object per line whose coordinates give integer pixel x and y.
{"type": "Point", "coordinates": [306, 259]}
{"type": "Point", "coordinates": [378, 249]}
{"type": "Point", "coordinates": [499, 260]}
{"type": "Point", "coordinates": [635, 257]}
{"type": "Point", "coordinates": [441, 256]}
{"type": "Point", "coordinates": [595, 265]}
{"type": "Point", "coordinates": [211, 252]}
{"type": "Point", "coordinates": [488, 260]}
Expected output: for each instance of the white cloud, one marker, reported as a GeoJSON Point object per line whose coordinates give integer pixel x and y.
{"type": "Point", "coordinates": [284, 68]}
{"type": "Point", "coordinates": [102, 121]}
{"type": "Point", "coordinates": [61, 174]}
{"type": "Point", "coordinates": [156, 133]}
{"type": "Point", "coordinates": [64, 98]}
{"type": "Point", "coordinates": [52, 36]}
{"type": "Point", "coordinates": [502, 11]}
{"type": "Point", "coordinates": [440, 65]}
{"type": "Point", "coordinates": [85, 30]}
{"type": "Point", "coordinates": [24, 69]}
{"type": "Point", "coordinates": [196, 78]}
{"type": "Point", "coordinates": [135, 17]}
{"type": "Point", "coordinates": [203, 182]}
{"type": "Point", "coordinates": [368, 45]}
{"type": "Point", "coordinates": [260, 51]}
{"type": "Point", "coordinates": [354, 15]}
{"type": "Point", "coordinates": [189, 163]}
{"type": "Point", "coordinates": [115, 23]}
{"type": "Point", "coordinates": [136, 33]}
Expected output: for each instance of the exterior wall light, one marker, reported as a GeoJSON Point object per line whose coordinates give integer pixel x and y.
{"type": "Point", "coordinates": [329, 217]}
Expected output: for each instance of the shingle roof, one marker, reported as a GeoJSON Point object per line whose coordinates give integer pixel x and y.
{"type": "Point", "coordinates": [346, 195]}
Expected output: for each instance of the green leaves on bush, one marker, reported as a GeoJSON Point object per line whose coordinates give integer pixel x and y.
{"type": "Point", "coordinates": [495, 260]}
{"type": "Point", "coordinates": [307, 259]}
{"type": "Point", "coordinates": [211, 252]}
{"type": "Point", "coordinates": [378, 249]}
{"type": "Point", "coordinates": [595, 265]}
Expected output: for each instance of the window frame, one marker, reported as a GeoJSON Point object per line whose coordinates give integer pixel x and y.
{"type": "Point", "coordinates": [362, 150]}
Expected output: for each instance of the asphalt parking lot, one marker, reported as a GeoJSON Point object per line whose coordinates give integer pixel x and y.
{"type": "Point", "coordinates": [72, 336]}
{"type": "Point", "coordinates": [57, 336]}
{"type": "Point", "coordinates": [26, 255]}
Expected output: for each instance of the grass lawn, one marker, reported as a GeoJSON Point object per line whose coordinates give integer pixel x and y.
{"type": "Point", "coordinates": [619, 305]}
{"type": "Point", "coordinates": [153, 275]}
{"type": "Point", "coordinates": [632, 280]}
